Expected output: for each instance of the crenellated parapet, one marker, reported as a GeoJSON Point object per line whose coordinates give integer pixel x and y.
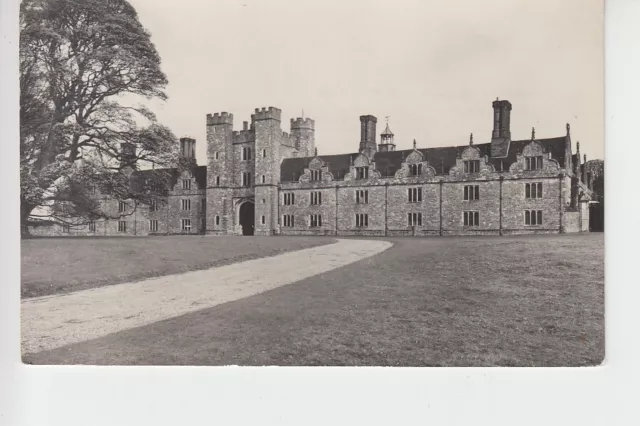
{"type": "Point", "coordinates": [271, 113]}
{"type": "Point", "coordinates": [219, 118]}
{"type": "Point", "coordinates": [243, 136]}
{"type": "Point", "coordinates": [302, 123]}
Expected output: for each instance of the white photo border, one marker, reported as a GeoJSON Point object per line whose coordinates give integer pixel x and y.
{"type": "Point", "coordinates": [74, 395]}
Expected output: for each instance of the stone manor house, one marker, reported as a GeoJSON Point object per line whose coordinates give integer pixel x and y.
{"type": "Point", "coordinates": [261, 180]}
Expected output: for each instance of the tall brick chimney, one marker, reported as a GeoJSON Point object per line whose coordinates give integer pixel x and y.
{"type": "Point", "coordinates": [128, 155]}
{"type": "Point", "coordinates": [368, 133]}
{"type": "Point", "coordinates": [188, 148]}
{"type": "Point", "coordinates": [501, 135]}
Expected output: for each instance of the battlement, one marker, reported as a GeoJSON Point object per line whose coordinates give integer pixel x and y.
{"type": "Point", "coordinates": [219, 118]}
{"type": "Point", "coordinates": [302, 123]}
{"type": "Point", "coordinates": [271, 113]}
{"type": "Point", "coordinates": [243, 136]}
{"type": "Point", "coordinates": [287, 139]}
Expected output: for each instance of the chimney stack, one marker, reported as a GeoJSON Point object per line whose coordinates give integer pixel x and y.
{"type": "Point", "coordinates": [501, 119]}
{"type": "Point", "coordinates": [368, 133]}
{"type": "Point", "coordinates": [188, 148]}
{"type": "Point", "coordinates": [128, 155]}
{"type": "Point", "coordinates": [501, 135]}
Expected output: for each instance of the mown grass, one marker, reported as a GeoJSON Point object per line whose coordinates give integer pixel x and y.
{"type": "Point", "coordinates": [62, 265]}
{"type": "Point", "coordinates": [511, 301]}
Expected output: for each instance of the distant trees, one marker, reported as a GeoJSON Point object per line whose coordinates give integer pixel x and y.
{"type": "Point", "coordinates": [82, 65]}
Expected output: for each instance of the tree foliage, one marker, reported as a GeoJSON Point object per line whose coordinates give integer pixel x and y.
{"type": "Point", "coordinates": [82, 64]}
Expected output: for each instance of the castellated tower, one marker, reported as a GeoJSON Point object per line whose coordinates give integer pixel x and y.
{"type": "Point", "coordinates": [268, 139]}
{"type": "Point", "coordinates": [219, 173]}
{"type": "Point", "coordinates": [243, 170]}
{"type": "Point", "coordinates": [303, 133]}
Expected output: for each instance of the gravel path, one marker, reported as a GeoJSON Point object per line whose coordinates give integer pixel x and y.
{"type": "Point", "coordinates": [53, 321]}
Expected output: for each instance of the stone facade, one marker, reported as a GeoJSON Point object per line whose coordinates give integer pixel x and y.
{"type": "Point", "coordinates": [261, 180]}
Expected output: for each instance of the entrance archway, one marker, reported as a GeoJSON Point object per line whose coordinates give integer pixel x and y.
{"type": "Point", "coordinates": [247, 215]}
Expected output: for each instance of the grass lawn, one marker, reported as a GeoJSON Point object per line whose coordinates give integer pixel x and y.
{"type": "Point", "coordinates": [503, 301]}
{"type": "Point", "coordinates": [62, 265]}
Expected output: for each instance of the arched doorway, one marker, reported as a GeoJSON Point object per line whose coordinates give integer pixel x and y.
{"type": "Point", "coordinates": [247, 217]}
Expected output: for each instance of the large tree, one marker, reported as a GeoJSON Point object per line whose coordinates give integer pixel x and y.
{"type": "Point", "coordinates": [84, 67]}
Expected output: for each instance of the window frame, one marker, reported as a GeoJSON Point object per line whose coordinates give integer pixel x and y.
{"type": "Point", "coordinates": [362, 172]}
{"type": "Point", "coordinates": [185, 204]}
{"type": "Point", "coordinates": [533, 191]}
{"type": "Point", "coordinates": [122, 226]}
{"type": "Point", "coordinates": [533, 162]}
{"type": "Point", "coordinates": [471, 193]}
{"type": "Point", "coordinates": [246, 179]}
{"type": "Point", "coordinates": [415, 169]}
{"type": "Point", "coordinates": [533, 217]}
{"type": "Point", "coordinates": [246, 153]}
{"type": "Point", "coordinates": [362, 196]}
{"type": "Point", "coordinates": [288, 221]}
{"type": "Point", "coordinates": [362, 220]}
{"type": "Point", "coordinates": [471, 218]}
{"type": "Point", "coordinates": [289, 199]}
{"type": "Point", "coordinates": [414, 219]}
{"type": "Point", "coordinates": [471, 166]}
{"type": "Point", "coordinates": [414, 194]}
{"type": "Point", "coordinates": [153, 225]}
{"type": "Point", "coordinates": [315, 220]}
{"type": "Point", "coordinates": [315, 198]}
{"type": "Point", "coordinates": [186, 184]}
{"type": "Point", "coordinates": [185, 224]}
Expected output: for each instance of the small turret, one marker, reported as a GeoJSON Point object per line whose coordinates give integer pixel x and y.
{"type": "Point", "coordinates": [303, 134]}
{"type": "Point", "coordinates": [386, 140]}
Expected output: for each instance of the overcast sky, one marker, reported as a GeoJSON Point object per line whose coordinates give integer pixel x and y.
{"type": "Point", "coordinates": [433, 67]}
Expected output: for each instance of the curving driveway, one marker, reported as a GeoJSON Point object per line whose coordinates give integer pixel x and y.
{"type": "Point", "coordinates": [53, 321]}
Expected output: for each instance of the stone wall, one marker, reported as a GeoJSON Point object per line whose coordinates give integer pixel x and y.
{"type": "Point", "coordinates": [572, 221]}
{"type": "Point", "coordinates": [501, 203]}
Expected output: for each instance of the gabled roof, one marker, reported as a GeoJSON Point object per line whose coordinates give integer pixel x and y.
{"type": "Point", "coordinates": [199, 173]}
{"type": "Point", "coordinates": [441, 159]}
{"type": "Point", "coordinates": [500, 147]}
